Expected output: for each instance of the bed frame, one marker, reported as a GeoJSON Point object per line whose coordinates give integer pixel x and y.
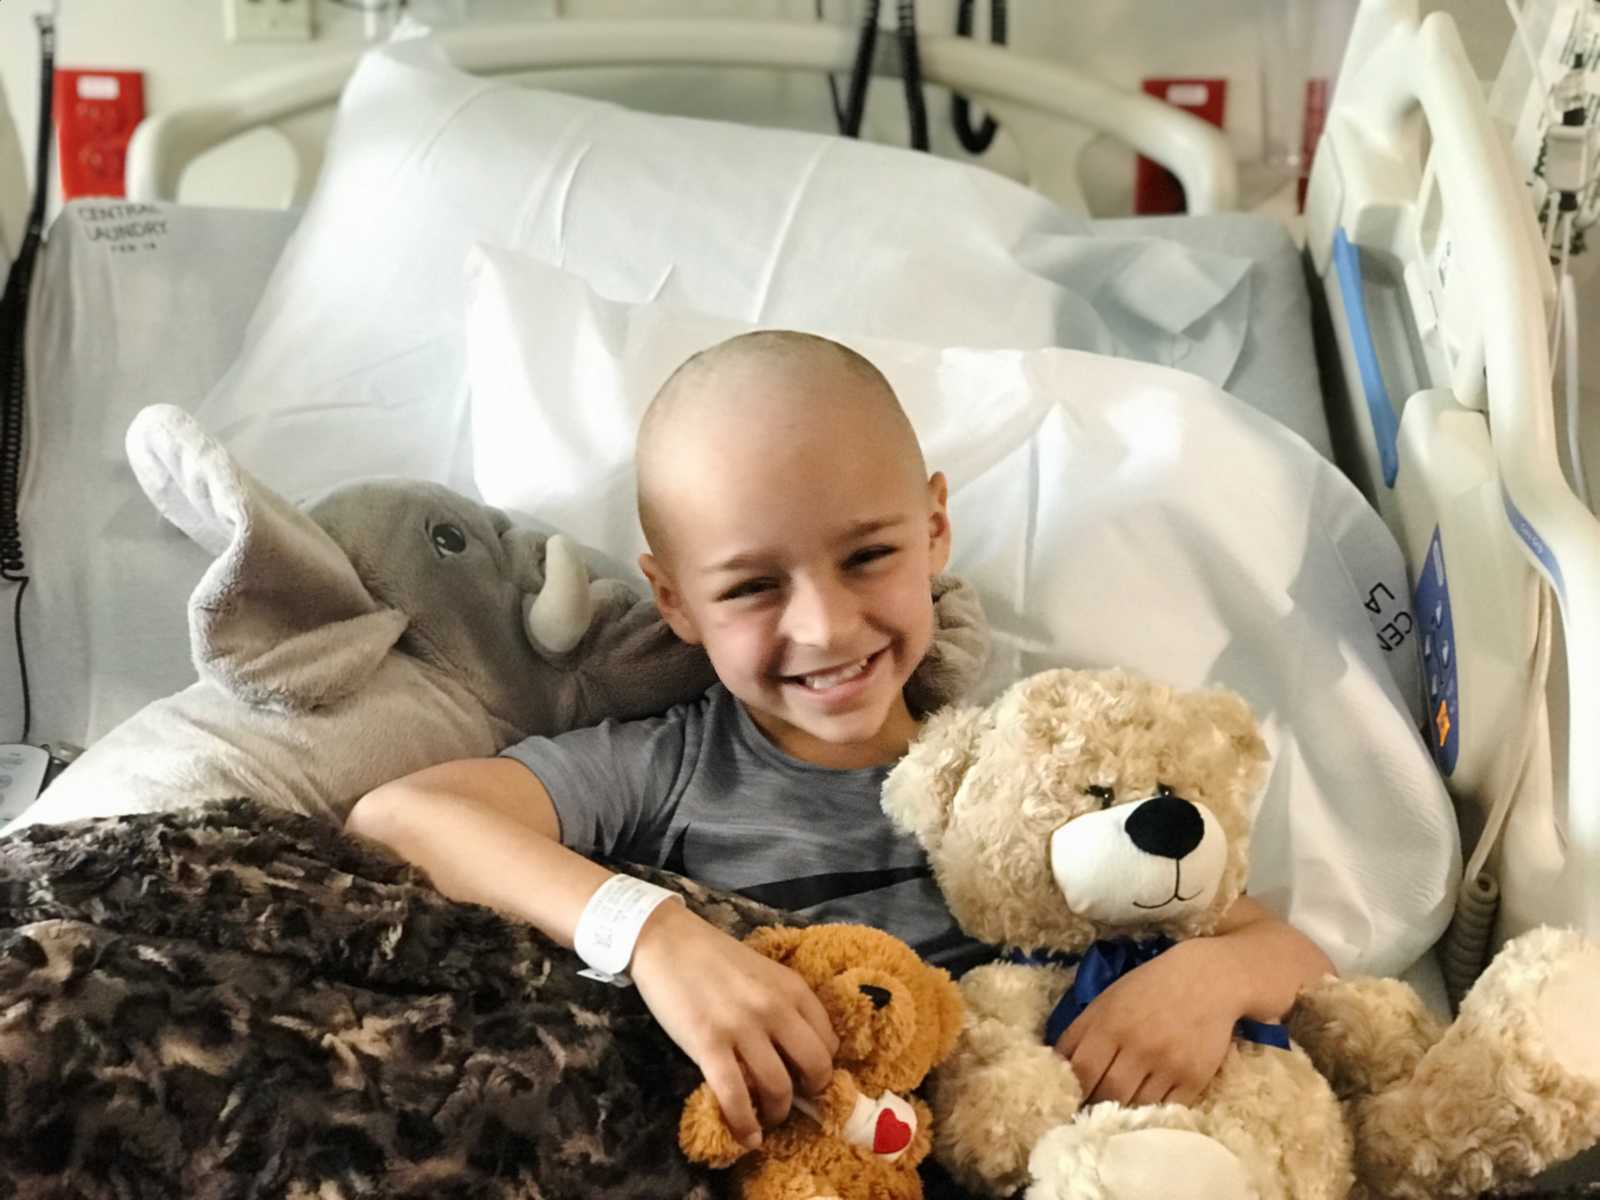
{"type": "Point", "coordinates": [1433, 293]}
{"type": "Point", "coordinates": [1196, 152]}
{"type": "Point", "coordinates": [1438, 294]}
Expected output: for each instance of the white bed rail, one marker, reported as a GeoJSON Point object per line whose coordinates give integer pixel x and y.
{"type": "Point", "coordinates": [1194, 151]}
{"type": "Point", "coordinates": [1369, 189]}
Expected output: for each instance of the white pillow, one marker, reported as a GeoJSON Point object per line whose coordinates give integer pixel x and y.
{"type": "Point", "coordinates": [354, 362]}
{"type": "Point", "coordinates": [1111, 513]}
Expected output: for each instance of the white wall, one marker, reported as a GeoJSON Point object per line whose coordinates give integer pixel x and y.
{"type": "Point", "coordinates": [179, 44]}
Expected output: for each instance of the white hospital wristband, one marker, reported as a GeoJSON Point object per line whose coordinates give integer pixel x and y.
{"type": "Point", "coordinates": [610, 926]}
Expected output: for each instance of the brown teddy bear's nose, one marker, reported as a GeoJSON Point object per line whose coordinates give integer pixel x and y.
{"type": "Point", "coordinates": [879, 996]}
{"type": "Point", "coordinates": [1166, 825]}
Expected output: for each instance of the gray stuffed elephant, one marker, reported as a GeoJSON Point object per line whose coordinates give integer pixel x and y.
{"type": "Point", "coordinates": [389, 626]}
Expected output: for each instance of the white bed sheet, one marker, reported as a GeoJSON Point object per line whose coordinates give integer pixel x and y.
{"type": "Point", "coordinates": [1110, 513]}
{"type": "Point", "coordinates": [137, 305]}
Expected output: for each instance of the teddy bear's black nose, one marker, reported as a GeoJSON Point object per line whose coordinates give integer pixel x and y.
{"type": "Point", "coordinates": [879, 996]}
{"type": "Point", "coordinates": [1167, 825]}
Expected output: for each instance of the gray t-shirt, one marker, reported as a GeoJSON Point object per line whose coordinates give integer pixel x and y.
{"type": "Point", "coordinates": [701, 791]}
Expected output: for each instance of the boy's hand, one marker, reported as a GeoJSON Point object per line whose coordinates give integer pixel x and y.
{"type": "Point", "coordinates": [753, 1026]}
{"type": "Point", "coordinates": [1160, 1032]}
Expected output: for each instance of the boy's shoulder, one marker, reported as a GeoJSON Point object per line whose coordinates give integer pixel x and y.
{"type": "Point", "coordinates": [716, 703]}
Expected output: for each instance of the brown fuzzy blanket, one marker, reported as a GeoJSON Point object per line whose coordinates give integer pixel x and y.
{"type": "Point", "coordinates": [237, 1002]}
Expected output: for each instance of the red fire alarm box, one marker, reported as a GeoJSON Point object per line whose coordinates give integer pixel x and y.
{"type": "Point", "coordinates": [1156, 189]}
{"type": "Point", "coordinates": [96, 112]}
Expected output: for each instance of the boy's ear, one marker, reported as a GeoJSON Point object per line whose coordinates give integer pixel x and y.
{"type": "Point", "coordinates": [938, 522]}
{"type": "Point", "coordinates": [668, 600]}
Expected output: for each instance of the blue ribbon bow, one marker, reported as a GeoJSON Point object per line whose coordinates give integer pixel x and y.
{"type": "Point", "coordinates": [1107, 961]}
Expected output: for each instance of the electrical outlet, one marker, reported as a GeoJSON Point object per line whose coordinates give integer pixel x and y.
{"type": "Point", "coordinates": [267, 20]}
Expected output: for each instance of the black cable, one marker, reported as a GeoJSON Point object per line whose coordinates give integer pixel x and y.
{"type": "Point", "coordinates": [976, 140]}
{"type": "Point", "coordinates": [13, 364]}
{"type": "Point", "coordinates": [911, 71]}
{"type": "Point", "coordinates": [861, 73]}
{"type": "Point", "coordinates": [22, 659]}
{"type": "Point", "coordinates": [833, 84]}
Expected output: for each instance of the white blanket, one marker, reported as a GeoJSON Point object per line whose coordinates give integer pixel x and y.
{"type": "Point", "coordinates": [1110, 513]}
{"type": "Point", "coordinates": [358, 335]}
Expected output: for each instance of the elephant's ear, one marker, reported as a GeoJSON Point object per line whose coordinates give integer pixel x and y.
{"type": "Point", "coordinates": [280, 619]}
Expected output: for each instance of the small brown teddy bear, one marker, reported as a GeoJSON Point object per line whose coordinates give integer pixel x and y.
{"type": "Point", "coordinates": [896, 1018]}
{"type": "Point", "coordinates": [1088, 817]}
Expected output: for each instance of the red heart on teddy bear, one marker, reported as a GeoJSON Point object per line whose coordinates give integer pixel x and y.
{"type": "Point", "coordinates": [892, 1134]}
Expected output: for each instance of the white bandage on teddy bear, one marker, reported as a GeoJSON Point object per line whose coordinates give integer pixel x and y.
{"type": "Point", "coordinates": [885, 1125]}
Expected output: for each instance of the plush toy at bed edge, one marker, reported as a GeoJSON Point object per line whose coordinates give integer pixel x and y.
{"type": "Point", "coordinates": [1087, 818]}
{"type": "Point", "coordinates": [896, 1017]}
{"type": "Point", "coordinates": [392, 625]}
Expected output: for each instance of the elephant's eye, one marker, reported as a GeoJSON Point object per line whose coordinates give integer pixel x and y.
{"type": "Point", "coordinates": [1105, 795]}
{"type": "Point", "coordinates": [447, 539]}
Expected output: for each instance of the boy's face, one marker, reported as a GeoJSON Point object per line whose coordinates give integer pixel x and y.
{"type": "Point", "coordinates": [800, 556]}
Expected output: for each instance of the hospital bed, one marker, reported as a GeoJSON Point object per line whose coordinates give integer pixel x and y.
{"type": "Point", "coordinates": [1406, 343]}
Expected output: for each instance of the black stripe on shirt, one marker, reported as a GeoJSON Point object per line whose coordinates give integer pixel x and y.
{"type": "Point", "coordinates": [809, 890]}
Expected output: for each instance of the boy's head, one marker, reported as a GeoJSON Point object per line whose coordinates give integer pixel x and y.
{"type": "Point", "coordinates": [793, 530]}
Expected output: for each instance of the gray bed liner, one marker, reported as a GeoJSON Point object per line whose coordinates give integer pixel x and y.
{"type": "Point", "coordinates": [1277, 369]}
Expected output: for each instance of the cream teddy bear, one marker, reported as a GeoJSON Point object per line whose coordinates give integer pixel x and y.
{"type": "Point", "coordinates": [1090, 816]}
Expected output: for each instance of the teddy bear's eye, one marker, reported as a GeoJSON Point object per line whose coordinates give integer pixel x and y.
{"type": "Point", "coordinates": [1163, 790]}
{"type": "Point", "coordinates": [447, 539]}
{"type": "Point", "coordinates": [1105, 795]}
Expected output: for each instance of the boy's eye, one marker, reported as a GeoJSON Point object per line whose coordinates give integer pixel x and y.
{"type": "Point", "coordinates": [746, 589]}
{"type": "Point", "coordinates": [870, 554]}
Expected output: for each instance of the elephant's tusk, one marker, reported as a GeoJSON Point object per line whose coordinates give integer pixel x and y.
{"type": "Point", "coordinates": [559, 616]}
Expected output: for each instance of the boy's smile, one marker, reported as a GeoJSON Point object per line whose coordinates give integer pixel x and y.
{"type": "Point", "coordinates": [833, 684]}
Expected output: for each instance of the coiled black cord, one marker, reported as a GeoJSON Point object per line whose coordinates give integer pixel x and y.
{"type": "Point", "coordinates": [976, 140]}
{"type": "Point", "coordinates": [13, 364]}
{"type": "Point", "coordinates": [911, 72]}
{"type": "Point", "coordinates": [860, 74]}
{"type": "Point", "coordinates": [849, 113]}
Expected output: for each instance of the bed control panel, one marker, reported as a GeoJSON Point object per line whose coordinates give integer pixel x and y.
{"type": "Point", "coordinates": [1475, 594]}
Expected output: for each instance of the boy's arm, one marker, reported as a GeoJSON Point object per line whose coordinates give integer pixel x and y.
{"type": "Point", "coordinates": [1161, 1031]}
{"type": "Point", "coordinates": [485, 831]}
